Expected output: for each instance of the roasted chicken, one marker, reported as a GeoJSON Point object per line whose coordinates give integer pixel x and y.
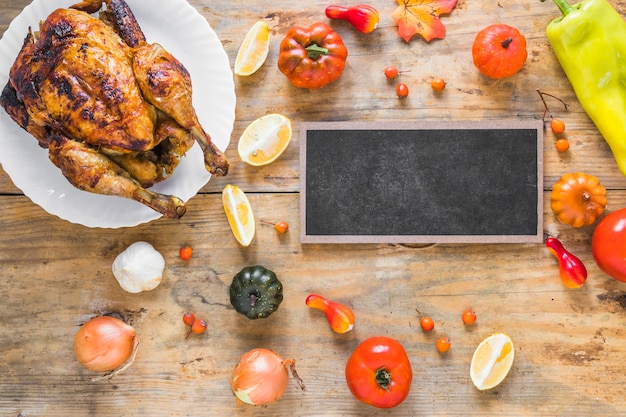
{"type": "Point", "coordinates": [114, 111]}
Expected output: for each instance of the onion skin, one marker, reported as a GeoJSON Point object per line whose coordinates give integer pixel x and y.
{"type": "Point", "coordinates": [260, 377]}
{"type": "Point", "coordinates": [104, 343]}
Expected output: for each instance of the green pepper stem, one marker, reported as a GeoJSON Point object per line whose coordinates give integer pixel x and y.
{"type": "Point", "coordinates": [563, 6]}
{"type": "Point", "coordinates": [315, 51]}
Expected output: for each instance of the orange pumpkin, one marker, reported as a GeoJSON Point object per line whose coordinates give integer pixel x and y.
{"type": "Point", "coordinates": [578, 199]}
{"type": "Point", "coordinates": [499, 51]}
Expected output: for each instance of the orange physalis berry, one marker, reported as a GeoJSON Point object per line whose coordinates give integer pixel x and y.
{"type": "Point", "coordinates": [185, 252]}
{"type": "Point", "coordinates": [391, 72]}
{"type": "Point", "coordinates": [468, 316]}
{"type": "Point", "coordinates": [198, 326]}
{"type": "Point", "coordinates": [402, 91]}
{"type": "Point", "coordinates": [443, 344]}
{"type": "Point", "coordinates": [189, 318]}
{"type": "Point", "coordinates": [561, 144]}
{"type": "Point", "coordinates": [281, 227]}
{"type": "Point", "coordinates": [557, 126]}
{"type": "Point", "coordinates": [427, 324]}
{"type": "Point", "coordinates": [438, 84]}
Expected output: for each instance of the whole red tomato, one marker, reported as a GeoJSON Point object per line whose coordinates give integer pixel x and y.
{"type": "Point", "coordinates": [379, 372]}
{"type": "Point", "coordinates": [499, 51]}
{"type": "Point", "coordinates": [608, 244]}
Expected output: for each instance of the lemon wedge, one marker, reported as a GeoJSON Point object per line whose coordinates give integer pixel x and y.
{"type": "Point", "coordinates": [239, 214]}
{"type": "Point", "coordinates": [265, 139]}
{"type": "Point", "coordinates": [253, 50]}
{"type": "Point", "coordinates": [492, 361]}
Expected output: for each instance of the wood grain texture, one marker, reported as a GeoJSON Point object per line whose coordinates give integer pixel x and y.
{"type": "Point", "coordinates": [569, 343]}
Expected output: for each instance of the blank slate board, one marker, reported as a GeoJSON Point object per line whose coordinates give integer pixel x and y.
{"type": "Point", "coordinates": [422, 182]}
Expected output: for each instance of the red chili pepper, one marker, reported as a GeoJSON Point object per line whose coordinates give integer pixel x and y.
{"type": "Point", "coordinates": [572, 269]}
{"type": "Point", "coordinates": [340, 317]}
{"type": "Point", "coordinates": [363, 17]}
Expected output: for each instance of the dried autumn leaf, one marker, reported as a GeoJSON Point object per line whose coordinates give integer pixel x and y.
{"type": "Point", "coordinates": [422, 17]}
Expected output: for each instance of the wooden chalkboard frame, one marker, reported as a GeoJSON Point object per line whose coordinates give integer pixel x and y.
{"type": "Point", "coordinates": [534, 150]}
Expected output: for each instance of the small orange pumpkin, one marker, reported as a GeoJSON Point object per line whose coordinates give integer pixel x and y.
{"type": "Point", "coordinates": [578, 199]}
{"type": "Point", "coordinates": [499, 51]}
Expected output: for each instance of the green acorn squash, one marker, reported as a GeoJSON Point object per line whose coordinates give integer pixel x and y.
{"type": "Point", "coordinates": [256, 292]}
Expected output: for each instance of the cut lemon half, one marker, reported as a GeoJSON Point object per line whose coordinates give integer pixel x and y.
{"type": "Point", "coordinates": [253, 50]}
{"type": "Point", "coordinates": [239, 214]}
{"type": "Point", "coordinates": [492, 361]}
{"type": "Point", "coordinates": [265, 139]}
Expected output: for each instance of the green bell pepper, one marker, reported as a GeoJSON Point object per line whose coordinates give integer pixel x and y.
{"type": "Point", "coordinates": [589, 41]}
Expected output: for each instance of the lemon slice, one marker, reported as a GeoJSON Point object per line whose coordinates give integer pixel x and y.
{"type": "Point", "coordinates": [239, 214]}
{"type": "Point", "coordinates": [265, 139]}
{"type": "Point", "coordinates": [492, 361]}
{"type": "Point", "coordinates": [253, 50]}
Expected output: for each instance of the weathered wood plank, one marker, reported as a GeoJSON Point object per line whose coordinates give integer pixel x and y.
{"type": "Point", "coordinates": [56, 275]}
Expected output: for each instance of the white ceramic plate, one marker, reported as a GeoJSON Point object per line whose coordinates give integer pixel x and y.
{"type": "Point", "coordinates": [183, 31]}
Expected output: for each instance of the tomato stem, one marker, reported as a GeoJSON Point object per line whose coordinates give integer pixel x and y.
{"type": "Point", "coordinates": [315, 51]}
{"type": "Point", "coordinates": [383, 378]}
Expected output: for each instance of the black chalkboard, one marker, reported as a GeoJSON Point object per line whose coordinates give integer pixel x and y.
{"type": "Point", "coordinates": [422, 182]}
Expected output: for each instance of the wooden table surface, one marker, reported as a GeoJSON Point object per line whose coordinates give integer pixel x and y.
{"type": "Point", "coordinates": [569, 344]}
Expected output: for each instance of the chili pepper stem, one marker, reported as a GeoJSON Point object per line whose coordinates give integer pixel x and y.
{"type": "Point", "coordinates": [563, 6]}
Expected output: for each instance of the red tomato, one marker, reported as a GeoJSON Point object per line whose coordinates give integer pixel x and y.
{"type": "Point", "coordinates": [608, 244]}
{"type": "Point", "coordinates": [379, 372]}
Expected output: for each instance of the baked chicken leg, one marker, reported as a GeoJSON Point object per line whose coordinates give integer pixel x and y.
{"type": "Point", "coordinates": [90, 170]}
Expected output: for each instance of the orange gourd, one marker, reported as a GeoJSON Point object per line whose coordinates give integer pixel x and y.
{"type": "Point", "coordinates": [499, 51]}
{"type": "Point", "coordinates": [578, 199]}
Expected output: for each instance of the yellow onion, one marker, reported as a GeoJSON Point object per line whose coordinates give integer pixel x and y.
{"type": "Point", "coordinates": [104, 343]}
{"type": "Point", "coordinates": [261, 376]}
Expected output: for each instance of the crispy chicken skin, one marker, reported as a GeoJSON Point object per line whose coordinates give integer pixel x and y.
{"type": "Point", "coordinates": [78, 79]}
{"type": "Point", "coordinates": [114, 111]}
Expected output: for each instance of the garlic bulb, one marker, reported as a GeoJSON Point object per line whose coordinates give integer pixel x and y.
{"type": "Point", "coordinates": [139, 268]}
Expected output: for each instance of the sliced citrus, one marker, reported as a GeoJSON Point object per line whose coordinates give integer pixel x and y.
{"type": "Point", "coordinates": [265, 139]}
{"type": "Point", "coordinates": [253, 50]}
{"type": "Point", "coordinates": [239, 214]}
{"type": "Point", "coordinates": [492, 361]}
